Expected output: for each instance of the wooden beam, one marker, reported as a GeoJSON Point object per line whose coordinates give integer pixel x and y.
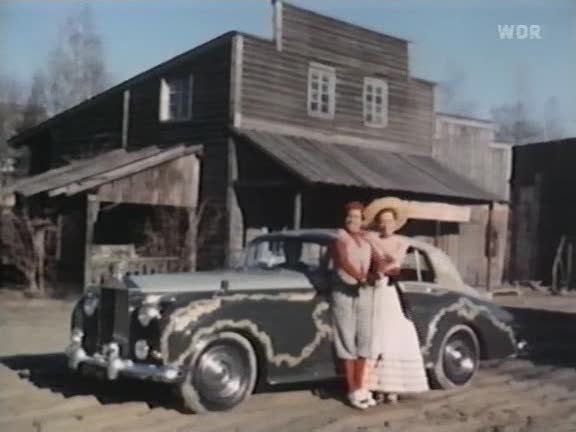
{"type": "Point", "coordinates": [125, 117]}
{"type": "Point", "coordinates": [263, 184]}
{"type": "Point", "coordinates": [489, 240]}
{"type": "Point", "coordinates": [297, 210]}
{"type": "Point", "coordinates": [438, 212]}
{"type": "Point", "coordinates": [277, 23]}
{"type": "Point", "coordinates": [92, 210]}
{"type": "Point", "coordinates": [235, 218]}
{"type": "Point", "coordinates": [236, 81]}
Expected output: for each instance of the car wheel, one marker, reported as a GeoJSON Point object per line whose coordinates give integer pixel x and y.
{"type": "Point", "coordinates": [222, 376]}
{"type": "Point", "coordinates": [457, 359]}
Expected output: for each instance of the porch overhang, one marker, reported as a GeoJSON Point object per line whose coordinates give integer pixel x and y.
{"type": "Point", "coordinates": [93, 173]}
{"type": "Point", "coordinates": [319, 162]}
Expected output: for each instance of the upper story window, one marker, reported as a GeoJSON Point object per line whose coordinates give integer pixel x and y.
{"type": "Point", "coordinates": [321, 90]}
{"type": "Point", "coordinates": [176, 98]}
{"type": "Point", "coordinates": [375, 102]}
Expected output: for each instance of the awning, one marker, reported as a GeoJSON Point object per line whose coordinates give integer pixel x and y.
{"type": "Point", "coordinates": [346, 165]}
{"type": "Point", "coordinates": [83, 175]}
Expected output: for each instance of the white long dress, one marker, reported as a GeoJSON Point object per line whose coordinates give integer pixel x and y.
{"type": "Point", "coordinates": [398, 364]}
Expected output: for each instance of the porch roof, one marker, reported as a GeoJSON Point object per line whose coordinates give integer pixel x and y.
{"type": "Point", "coordinates": [346, 165]}
{"type": "Point", "coordinates": [86, 174]}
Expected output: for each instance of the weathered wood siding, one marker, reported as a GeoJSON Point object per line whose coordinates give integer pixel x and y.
{"type": "Point", "coordinates": [544, 206]}
{"type": "Point", "coordinates": [275, 83]}
{"type": "Point", "coordinates": [173, 183]}
{"type": "Point", "coordinates": [210, 102]}
{"type": "Point", "coordinates": [89, 132]}
{"type": "Point", "coordinates": [468, 148]}
{"type": "Point", "coordinates": [324, 38]}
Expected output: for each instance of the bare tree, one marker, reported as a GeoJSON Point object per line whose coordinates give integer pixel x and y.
{"type": "Point", "coordinates": [452, 90]}
{"type": "Point", "coordinates": [11, 102]}
{"type": "Point", "coordinates": [34, 111]}
{"type": "Point", "coordinates": [76, 69]}
{"type": "Point", "coordinates": [24, 239]}
{"type": "Point", "coordinates": [11, 107]}
{"type": "Point", "coordinates": [520, 123]}
{"type": "Point", "coordinates": [513, 124]}
{"type": "Point", "coordinates": [553, 129]}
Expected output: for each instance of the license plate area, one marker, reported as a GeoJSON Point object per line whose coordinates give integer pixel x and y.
{"type": "Point", "coordinates": [93, 371]}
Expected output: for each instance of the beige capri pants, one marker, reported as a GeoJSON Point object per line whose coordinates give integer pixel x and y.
{"type": "Point", "coordinates": [352, 310]}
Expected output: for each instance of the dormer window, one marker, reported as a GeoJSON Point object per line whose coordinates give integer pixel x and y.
{"type": "Point", "coordinates": [176, 98]}
{"type": "Point", "coordinates": [375, 102]}
{"type": "Point", "coordinates": [321, 90]}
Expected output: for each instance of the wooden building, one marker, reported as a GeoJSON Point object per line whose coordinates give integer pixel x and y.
{"type": "Point", "coordinates": [543, 230]}
{"type": "Point", "coordinates": [290, 129]}
{"type": "Point", "coordinates": [468, 146]}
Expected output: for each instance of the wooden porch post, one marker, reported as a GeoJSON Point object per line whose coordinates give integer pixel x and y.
{"type": "Point", "coordinates": [297, 210]}
{"type": "Point", "coordinates": [125, 117]}
{"type": "Point", "coordinates": [489, 246]}
{"type": "Point", "coordinates": [92, 209]}
{"type": "Point", "coordinates": [192, 236]}
{"type": "Point", "coordinates": [235, 218]}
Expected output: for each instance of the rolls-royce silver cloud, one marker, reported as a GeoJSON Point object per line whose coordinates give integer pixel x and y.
{"type": "Point", "coordinates": [215, 335]}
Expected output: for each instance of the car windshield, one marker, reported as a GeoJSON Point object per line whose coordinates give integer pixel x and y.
{"type": "Point", "coordinates": [285, 253]}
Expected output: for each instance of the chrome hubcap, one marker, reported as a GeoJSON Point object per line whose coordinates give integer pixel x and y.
{"type": "Point", "coordinates": [459, 359]}
{"type": "Point", "coordinates": [221, 374]}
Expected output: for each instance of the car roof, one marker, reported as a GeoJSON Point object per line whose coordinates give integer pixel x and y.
{"type": "Point", "coordinates": [320, 234]}
{"type": "Point", "coordinates": [446, 272]}
{"type": "Point", "coordinates": [325, 234]}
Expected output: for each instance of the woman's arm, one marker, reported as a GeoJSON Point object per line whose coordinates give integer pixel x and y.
{"type": "Point", "coordinates": [341, 260]}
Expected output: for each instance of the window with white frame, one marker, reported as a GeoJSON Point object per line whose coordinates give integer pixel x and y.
{"type": "Point", "coordinates": [176, 98]}
{"type": "Point", "coordinates": [375, 102]}
{"type": "Point", "coordinates": [321, 90]}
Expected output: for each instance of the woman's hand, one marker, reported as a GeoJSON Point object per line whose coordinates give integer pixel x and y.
{"type": "Point", "coordinates": [394, 272]}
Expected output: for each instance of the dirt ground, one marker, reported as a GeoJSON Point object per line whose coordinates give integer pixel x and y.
{"type": "Point", "coordinates": [37, 393]}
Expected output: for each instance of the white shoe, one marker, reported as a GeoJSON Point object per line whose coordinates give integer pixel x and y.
{"type": "Point", "coordinates": [392, 398]}
{"type": "Point", "coordinates": [357, 400]}
{"type": "Point", "coordinates": [368, 397]}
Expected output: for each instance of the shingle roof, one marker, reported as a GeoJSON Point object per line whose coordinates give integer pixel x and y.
{"type": "Point", "coordinates": [90, 173]}
{"type": "Point", "coordinates": [323, 162]}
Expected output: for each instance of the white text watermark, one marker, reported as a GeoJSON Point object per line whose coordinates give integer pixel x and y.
{"type": "Point", "coordinates": [519, 31]}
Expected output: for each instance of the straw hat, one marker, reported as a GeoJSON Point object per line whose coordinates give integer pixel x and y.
{"type": "Point", "coordinates": [392, 203]}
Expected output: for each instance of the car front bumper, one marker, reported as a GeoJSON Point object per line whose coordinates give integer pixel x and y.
{"type": "Point", "coordinates": [112, 366]}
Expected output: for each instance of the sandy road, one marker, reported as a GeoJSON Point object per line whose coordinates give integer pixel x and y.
{"type": "Point", "coordinates": [38, 394]}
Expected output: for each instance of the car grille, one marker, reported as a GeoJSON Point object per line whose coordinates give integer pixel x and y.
{"type": "Point", "coordinates": [110, 323]}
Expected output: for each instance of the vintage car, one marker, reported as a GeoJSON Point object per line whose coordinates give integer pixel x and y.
{"type": "Point", "coordinates": [216, 334]}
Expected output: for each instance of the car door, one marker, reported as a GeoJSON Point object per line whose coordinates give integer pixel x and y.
{"type": "Point", "coordinates": [418, 284]}
{"type": "Point", "coordinates": [298, 324]}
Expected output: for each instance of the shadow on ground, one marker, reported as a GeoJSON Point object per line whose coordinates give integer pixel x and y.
{"type": "Point", "coordinates": [50, 371]}
{"type": "Point", "coordinates": [551, 338]}
{"type": "Point", "coordinates": [550, 335]}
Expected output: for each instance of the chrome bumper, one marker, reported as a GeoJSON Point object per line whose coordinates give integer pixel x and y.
{"type": "Point", "coordinates": [114, 366]}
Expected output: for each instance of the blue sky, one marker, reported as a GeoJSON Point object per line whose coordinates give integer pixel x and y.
{"type": "Point", "coordinates": [451, 40]}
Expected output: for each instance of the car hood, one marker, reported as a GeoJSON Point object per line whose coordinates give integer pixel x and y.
{"type": "Point", "coordinates": [238, 280]}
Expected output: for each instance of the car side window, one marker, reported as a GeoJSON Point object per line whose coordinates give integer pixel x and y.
{"type": "Point", "coordinates": [290, 254]}
{"type": "Point", "coordinates": [417, 267]}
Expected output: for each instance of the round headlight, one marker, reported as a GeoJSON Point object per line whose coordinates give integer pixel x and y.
{"type": "Point", "coordinates": [90, 304]}
{"type": "Point", "coordinates": [147, 313]}
{"type": "Point", "coordinates": [141, 349]}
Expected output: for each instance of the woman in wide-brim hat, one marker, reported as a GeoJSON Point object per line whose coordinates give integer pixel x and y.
{"type": "Point", "coordinates": [398, 366]}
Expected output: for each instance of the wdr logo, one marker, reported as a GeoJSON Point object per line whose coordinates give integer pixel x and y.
{"type": "Point", "coordinates": [519, 31]}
